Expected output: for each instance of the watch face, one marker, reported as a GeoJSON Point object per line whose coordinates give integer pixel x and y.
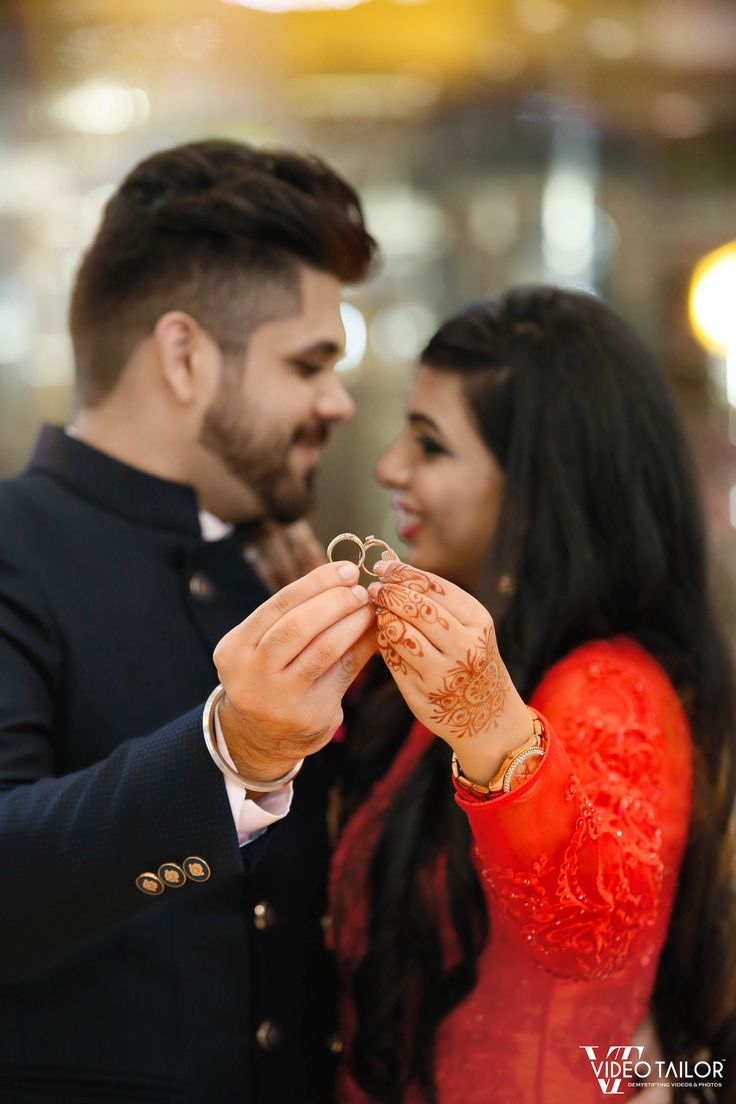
{"type": "Point", "coordinates": [523, 767]}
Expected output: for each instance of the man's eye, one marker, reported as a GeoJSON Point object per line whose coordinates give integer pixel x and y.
{"type": "Point", "coordinates": [429, 446]}
{"type": "Point", "coordinates": [306, 368]}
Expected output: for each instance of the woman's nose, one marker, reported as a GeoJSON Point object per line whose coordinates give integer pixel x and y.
{"type": "Point", "coordinates": [391, 469]}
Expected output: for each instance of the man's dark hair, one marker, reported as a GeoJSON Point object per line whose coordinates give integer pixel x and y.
{"type": "Point", "coordinates": [208, 228]}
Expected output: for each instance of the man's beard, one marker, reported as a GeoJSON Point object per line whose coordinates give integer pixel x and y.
{"type": "Point", "coordinates": [262, 463]}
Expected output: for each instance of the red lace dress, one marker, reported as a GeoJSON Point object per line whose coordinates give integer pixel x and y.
{"type": "Point", "coordinates": [580, 867]}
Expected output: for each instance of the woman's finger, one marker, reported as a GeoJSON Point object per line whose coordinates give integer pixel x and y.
{"type": "Point", "coordinates": [432, 620]}
{"type": "Point", "coordinates": [393, 633]}
{"type": "Point", "coordinates": [466, 609]}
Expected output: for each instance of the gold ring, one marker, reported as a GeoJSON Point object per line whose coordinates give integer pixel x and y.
{"type": "Point", "coordinates": [374, 542]}
{"type": "Point", "coordinates": [347, 537]}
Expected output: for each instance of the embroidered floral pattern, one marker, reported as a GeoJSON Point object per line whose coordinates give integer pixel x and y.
{"type": "Point", "coordinates": [620, 763]}
{"type": "Point", "coordinates": [604, 890]}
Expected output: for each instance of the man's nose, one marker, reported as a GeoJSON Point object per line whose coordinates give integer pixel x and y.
{"type": "Point", "coordinates": [335, 403]}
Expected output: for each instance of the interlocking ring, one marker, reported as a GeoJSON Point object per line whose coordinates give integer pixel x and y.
{"type": "Point", "coordinates": [347, 537]}
{"type": "Point", "coordinates": [369, 542]}
{"type": "Point", "coordinates": [373, 542]}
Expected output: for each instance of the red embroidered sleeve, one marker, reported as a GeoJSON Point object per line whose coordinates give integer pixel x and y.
{"type": "Point", "coordinates": [574, 859]}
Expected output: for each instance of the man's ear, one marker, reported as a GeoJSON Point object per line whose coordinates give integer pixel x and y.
{"type": "Point", "coordinates": [187, 356]}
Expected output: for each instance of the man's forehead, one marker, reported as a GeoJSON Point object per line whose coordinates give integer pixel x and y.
{"type": "Point", "coordinates": [315, 328]}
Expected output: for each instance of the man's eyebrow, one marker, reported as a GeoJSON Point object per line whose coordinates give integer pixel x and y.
{"type": "Point", "coordinates": [321, 349]}
{"type": "Point", "coordinates": [416, 419]}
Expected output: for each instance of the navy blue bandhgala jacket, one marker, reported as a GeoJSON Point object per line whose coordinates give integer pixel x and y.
{"type": "Point", "coordinates": [210, 990]}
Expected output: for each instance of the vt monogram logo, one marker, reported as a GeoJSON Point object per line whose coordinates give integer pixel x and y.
{"type": "Point", "coordinates": [619, 1065]}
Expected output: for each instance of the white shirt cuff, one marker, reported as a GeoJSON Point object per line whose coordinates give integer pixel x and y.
{"type": "Point", "coordinates": [252, 818]}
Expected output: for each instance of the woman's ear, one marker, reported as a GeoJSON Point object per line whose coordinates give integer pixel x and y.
{"type": "Point", "coordinates": [188, 358]}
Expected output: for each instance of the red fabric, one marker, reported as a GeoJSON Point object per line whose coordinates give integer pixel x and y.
{"type": "Point", "coordinates": [580, 867]}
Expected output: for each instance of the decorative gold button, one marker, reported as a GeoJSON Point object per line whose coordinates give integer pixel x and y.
{"type": "Point", "coordinates": [149, 883]}
{"type": "Point", "coordinates": [268, 1035]}
{"type": "Point", "coordinates": [325, 922]}
{"type": "Point", "coordinates": [263, 916]}
{"type": "Point", "coordinates": [335, 1044]}
{"type": "Point", "coordinates": [172, 875]}
{"type": "Point", "coordinates": [201, 587]}
{"type": "Point", "coordinates": [196, 869]}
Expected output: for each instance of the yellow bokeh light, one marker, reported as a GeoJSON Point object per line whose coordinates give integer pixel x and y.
{"type": "Point", "coordinates": [713, 300]}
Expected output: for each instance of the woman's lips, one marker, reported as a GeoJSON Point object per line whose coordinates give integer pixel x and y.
{"type": "Point", "coordinates": [407, 522]}
{"type": "Point", "coordinates": [408, 530]}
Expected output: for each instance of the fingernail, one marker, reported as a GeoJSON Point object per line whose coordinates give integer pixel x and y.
{"type": "Point", "coordinates": [360, 593]}
{"type": "Point", "coordinates": [348, 571]}
{"type": "Point", "coordinates": [374, 590]}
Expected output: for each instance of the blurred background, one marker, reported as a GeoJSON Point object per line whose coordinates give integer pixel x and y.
{"type": "Point", "coordinates": [584, 142]}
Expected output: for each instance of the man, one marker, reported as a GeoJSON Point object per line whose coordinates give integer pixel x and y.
{"type": "Point", "coordinates": [157, 942]}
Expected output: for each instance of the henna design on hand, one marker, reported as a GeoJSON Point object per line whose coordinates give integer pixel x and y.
{"type": "Point", "coordinates": [402, 574]}
{"type": "Point", "coordinates": [409, 605]}
{"type": "Point", "coordinates": [400, 596]}
{"type": "Point", "coordinates": [393, 633]}
{"type": "Point", "coordinates": [473, 694]}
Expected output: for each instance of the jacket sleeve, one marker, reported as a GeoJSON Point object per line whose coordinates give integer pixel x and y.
{"type": "Point", "coordinates": [574, 859]}
{"type": "Point", "coordinates": [73, 846]}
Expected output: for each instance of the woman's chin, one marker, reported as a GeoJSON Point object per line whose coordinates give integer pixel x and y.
{"type": "Point", "coordinates": [422, 557]}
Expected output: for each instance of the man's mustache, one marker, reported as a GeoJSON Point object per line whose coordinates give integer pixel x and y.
{"type": "Point", "coordinates": [315, 435]}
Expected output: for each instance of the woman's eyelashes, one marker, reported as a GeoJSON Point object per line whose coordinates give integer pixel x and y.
{"type": "Point", "coordinates": [429, 446]}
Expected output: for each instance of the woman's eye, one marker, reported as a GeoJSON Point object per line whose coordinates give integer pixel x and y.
{"type": "Point", "coordinates": [429, 446]}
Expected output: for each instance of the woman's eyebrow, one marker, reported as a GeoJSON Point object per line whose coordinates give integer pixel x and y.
{"type": "Point", "coordinates": [415, 418]}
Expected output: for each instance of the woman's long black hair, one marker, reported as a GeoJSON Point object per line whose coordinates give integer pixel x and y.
{"type": "Point", "coordinates": [600, 526]}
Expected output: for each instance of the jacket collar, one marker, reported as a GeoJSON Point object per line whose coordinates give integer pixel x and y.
{"type": "Point", "coordinates": [116, 487]}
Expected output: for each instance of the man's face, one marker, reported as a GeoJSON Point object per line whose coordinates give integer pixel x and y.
{"type": "Point", "coordinates": [270, 420]}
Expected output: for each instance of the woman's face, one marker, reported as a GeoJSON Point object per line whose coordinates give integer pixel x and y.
{"type": "Point", "coordinates": [447, 485]}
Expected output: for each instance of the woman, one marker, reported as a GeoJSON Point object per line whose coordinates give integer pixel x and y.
{"type": "Point", "coordinates": [497, 946]}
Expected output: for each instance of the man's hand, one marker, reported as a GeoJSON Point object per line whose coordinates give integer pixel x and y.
{"type": "Point", "coordinates": [440, 645]}
{"type": "Point", "coordinates": [286, 668]}
{"type": "Point", "coordinates": [280, 554]}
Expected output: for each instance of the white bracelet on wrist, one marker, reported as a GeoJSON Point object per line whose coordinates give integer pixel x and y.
{"type": "Point", "coordinates": [210, 740]}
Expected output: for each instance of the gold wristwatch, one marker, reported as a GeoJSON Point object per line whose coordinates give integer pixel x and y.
{"type": "Point", "coordinates": [533, 748]}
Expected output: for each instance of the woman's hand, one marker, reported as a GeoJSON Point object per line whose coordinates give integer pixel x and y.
{"type": "Point", "coordinates": [440, 645]}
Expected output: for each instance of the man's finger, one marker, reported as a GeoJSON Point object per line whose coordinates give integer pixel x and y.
{"type": "Point", "coordinates": [342, 673]}
{"type": "Point", "coordinates": [332, 644]}
{"type": "Point", "coordinates": [303, 626]}
{"type": "Point", "coordinates": [342, 573]}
